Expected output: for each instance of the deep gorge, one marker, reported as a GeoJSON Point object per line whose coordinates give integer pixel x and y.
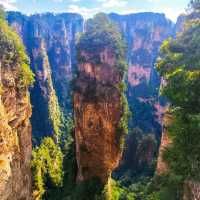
{"type": "Point", "coordinates": [94, 106]}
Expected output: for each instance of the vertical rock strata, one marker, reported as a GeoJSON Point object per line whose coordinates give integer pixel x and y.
{"type": "Point", "coordinates": [50, 43]}
{"type": "Point", "coordinates": [98, 104]}
{"type": "Point", "coordinates": [144, 33]}
{"type": "Point", "coordinates": [15, 111]}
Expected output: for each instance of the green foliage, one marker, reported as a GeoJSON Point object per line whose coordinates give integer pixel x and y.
{"type": "Point", "coordinates": [66, 192]}
{"type": "Point", "coordinates": [12, 52]}
{"type": "Point", "coordinates": [46, 165]}
{"type": "Point", "coordinates": [120, 193]}
{"type": "Point", "coordinates": [55, 116]}
{"type": "Point", "coordinates": [183, 156]}
{"type": "Point", "coordinates": [26, 75]}
{"type": "Point", "coordinates": [122, 66]}
{"type": "Point", "coordinates": [122, 128]}
{"type": "Point", "coordinates": [88, 190]}
{"type": "Point", "coordinates": [164, 187]}
{"type": "Point", "coordinates": [100, 34]}
{"type": "Point", "coordinates": [180, 66]}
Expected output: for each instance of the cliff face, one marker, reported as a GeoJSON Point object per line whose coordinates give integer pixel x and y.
{"type": "Point", "coordinates": [96, 116]}
{"type": "Point", "coordinates": [98, 103]}
{"type": "Point", "coordinates": [144, 33]}
{"type": "Point", "coordinates": [15, 127]}
{"type": "Point", "coordinates": [50, 43]}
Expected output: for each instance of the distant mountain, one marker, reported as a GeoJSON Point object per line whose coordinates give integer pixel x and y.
{"type": "Point", "coordinates": [50, 43]}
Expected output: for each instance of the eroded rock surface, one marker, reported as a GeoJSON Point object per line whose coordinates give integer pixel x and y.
{"type": "Point", "coordinates": [97, 113]}
{"type": "Point", "coordinates": [15, 128]}
{"type": "Point", "coordinates": [50, 43]}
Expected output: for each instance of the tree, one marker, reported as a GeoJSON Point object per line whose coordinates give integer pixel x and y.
{"type": "Point", "coordinates": [180, 66]}
{"type": "Point", "coordinates": [12, 52]}
{"type": "Point", "coordinates": [47, 161]}
{"type": "Point", "coordinates": [101, 32]}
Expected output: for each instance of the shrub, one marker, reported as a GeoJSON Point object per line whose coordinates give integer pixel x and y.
{"type": "Point", "coordinates": [46, 166]}
{"type": "Point", "coordinates": [12, 52]}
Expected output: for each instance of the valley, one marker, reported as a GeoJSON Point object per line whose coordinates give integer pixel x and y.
{"type": "Point", "coordinates": [99, 109]}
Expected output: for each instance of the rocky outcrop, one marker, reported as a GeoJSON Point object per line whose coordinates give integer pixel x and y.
{"type": "Point", "coordinates": [54, 37]}
{"type": "Point", "coordinates": [144, 33]}
{"type": "Point", "coordinates": [97, 113]}
{"type": "Point", "coordinates": [50, 43]}
{"type": "Point", "coordinates": [47, 118]}
{"type": "Point", "coordinates": [98, 105]}
{"type": "Point", "coordinates": [15, 127]}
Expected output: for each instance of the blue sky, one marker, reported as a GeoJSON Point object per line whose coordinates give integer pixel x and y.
{"type": "Point", "coordinates": [172, 8]}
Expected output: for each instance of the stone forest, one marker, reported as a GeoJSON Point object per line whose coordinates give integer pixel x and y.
{"type": "Point", "coordinates": [105, 108]}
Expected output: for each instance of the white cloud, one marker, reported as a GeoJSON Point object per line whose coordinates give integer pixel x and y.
{"type": "Point", "coordinates": [86, 12]}
{"type": "Point", "coordinates": [106, 6]}
{"type": "Point", "coordinates": [8, 4]}
{"type": "Point", "coordinates": [113, 3]}
{"type": "Point", "coordinates": [66, 1]}
{"type": "Point", "coordinates": [172, 13]}
{"type": "Point", "coordinates": [154, 1]}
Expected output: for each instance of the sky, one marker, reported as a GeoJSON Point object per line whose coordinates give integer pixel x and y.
{"type": "Point", "coordinates": [172, 8]}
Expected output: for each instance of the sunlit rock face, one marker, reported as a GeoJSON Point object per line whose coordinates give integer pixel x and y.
{"type": "Point", "coordinates": [50, 43]}
{"type": "Point", "coordinates": [144, 33]}
{"type": "Point", "coordinates": [54, 36]}
{"type": "Point", "coordinates": [15, 134]}
{"type": "Point", "coordinates": [98, 111]}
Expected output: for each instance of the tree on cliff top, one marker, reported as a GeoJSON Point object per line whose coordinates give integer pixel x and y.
{"type": "Point", "coordinates": [180, 66]}
{"type": "Point", "coordinates": [102, 33]}
{"type": "Point", "coordinates": [12, 52]}
{"type": "Point", "coordinates": [46, 167]}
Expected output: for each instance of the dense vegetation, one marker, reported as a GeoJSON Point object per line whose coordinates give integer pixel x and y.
{"type": "Point", "coordinates": [54, 165]}
{"type": "Point", "coordinates": [12, 52]}
{"type": "Point", "coordinates": [139, 157]}
{"type": "Point", "coordinates": [180, 66]}
{"type": "Point", "coordinates": [101, 33]}
{"type": "Point", "coordinates": [46, 166]}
